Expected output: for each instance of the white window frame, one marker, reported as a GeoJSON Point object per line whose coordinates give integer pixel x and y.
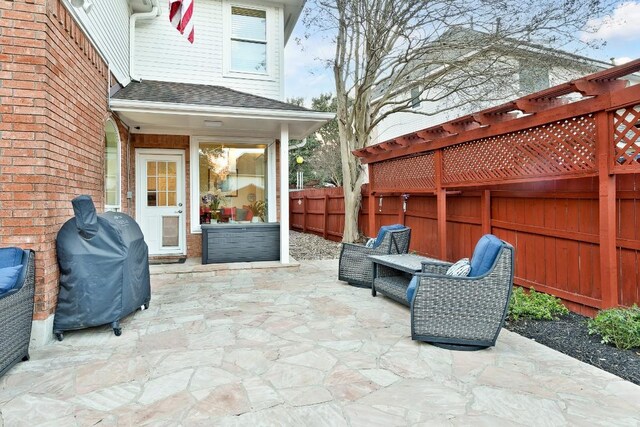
{"type": "Point", "coordinates": [226, 43]}
{"type": "Point", "coordinates": [194, 171]}
{"type": "Point", "coordinates": [117, 207]}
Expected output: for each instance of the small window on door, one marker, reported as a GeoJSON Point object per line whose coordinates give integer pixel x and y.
{"type": "Point", "coordinates": [161, 183]}
{"type": "Point", "coordinates": [111, 167]}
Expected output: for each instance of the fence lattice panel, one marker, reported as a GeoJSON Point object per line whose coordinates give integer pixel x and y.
{"type": "Point", "coordinates": [626, 135]}
{"type": "Point", "coordinates": [565, 147]}
{"type": "Point", "coordinates": [405, 173]}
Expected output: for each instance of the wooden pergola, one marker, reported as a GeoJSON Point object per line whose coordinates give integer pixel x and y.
{"type": "Point", "coordinates": [576, 141]}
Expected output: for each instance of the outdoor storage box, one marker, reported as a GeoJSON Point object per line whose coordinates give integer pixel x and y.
{"type": "Point", "coordinates": [240, 242]}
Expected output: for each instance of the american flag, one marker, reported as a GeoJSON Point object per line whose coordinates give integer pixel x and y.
{"type": "Point", "coordinates": [180, 13]}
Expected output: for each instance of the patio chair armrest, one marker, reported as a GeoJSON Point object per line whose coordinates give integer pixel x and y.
{"type": "Point", "coordinates": [439, 267]}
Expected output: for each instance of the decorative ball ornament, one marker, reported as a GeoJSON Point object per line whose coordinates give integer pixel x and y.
{"type": "Point", "coordinates": [299, 160]}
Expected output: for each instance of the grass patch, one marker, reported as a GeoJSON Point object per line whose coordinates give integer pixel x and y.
{"type": "Point", "coordinates": [618, 326]}
{"type": "Point", "coordinates": [535, 305]}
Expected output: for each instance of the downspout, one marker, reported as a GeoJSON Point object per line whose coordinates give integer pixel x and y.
{"type": "Point", "coordinates": [298, 145]}
{"type": "Point", "coordinates": [145, 16]}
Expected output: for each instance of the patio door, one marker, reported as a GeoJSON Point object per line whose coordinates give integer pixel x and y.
{"type": "Point", "coordinates": [160, 200]}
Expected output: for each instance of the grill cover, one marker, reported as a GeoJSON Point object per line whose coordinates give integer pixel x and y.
{"type": "Point", "coordinates": [104, 268]}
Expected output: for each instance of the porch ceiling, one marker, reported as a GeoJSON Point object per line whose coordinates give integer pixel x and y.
{"type": "Point", "coordinates": [174, 119]}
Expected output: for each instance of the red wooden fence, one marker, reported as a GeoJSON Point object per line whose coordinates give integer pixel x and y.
{"type": "Point", "coordinates": [562, 184]}
{"type": "Point", "coordinates": [321, 211]}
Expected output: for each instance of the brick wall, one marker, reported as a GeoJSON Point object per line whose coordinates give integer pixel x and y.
{"type": "Point", "coordinates": [53, 90]}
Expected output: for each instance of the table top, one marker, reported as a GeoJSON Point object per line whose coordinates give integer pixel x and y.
{"type": "Point", "coordinates": [405, 262]}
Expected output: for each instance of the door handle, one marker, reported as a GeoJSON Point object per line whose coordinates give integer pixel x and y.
{"type": "Point", "coordinates": [180, 211]}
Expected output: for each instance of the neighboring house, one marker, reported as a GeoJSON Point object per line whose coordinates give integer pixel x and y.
{"type": "Point", "coordinates": [106, 98]}
{"type": "Point", "coordinates": [523, 68]}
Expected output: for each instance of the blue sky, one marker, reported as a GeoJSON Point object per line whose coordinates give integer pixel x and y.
{"type": "Point", "coordinates": [306, 77]}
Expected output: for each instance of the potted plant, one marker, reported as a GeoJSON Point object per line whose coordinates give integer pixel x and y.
{"type": "Point", "coordinates": [259, 210]}
{"type": "Point", "coordinates": [212, 200]}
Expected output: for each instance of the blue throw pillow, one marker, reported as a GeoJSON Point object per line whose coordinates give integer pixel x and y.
{"type": "Point", "coordinates": [484, 255]}
{"type": "Point", "coordinates": [411, 289]}
{"type": "Point", "coordinates": [383, 231]}
{"type": "Point", "coordinates": [9, 277]}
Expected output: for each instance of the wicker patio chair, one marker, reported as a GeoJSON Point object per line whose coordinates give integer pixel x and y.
{"type": "Point", "coordinates": [464, 313]}
{"type": "Point", "coordinates": [16, 312]}
{"type": "Point", "coordinates": [356, 269]}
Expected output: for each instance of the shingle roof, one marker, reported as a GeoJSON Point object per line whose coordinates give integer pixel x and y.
{"type": "Point", "coordinates": [195, 94]}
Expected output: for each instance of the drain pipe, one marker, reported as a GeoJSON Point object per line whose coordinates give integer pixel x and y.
{"type": "Point", "coordinates": [145, 16]}
{"type": "Point", "coordinates": [299, 145]}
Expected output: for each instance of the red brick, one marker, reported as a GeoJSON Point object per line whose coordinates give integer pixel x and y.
{"type": "Point", "coordinates": [53, 89]}
{"type": "Point", "coordinates": [17, 15]}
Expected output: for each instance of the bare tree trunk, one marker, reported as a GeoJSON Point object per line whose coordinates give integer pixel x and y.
{"type": "Point", "coordinates": [352, 197]}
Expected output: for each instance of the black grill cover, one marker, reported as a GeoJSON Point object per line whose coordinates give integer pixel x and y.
{"type": "Point", "coordinates": [104, 268]}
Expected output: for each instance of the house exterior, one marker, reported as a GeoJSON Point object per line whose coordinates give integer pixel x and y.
{"type": "Point", "coordinates": [106, 98]}
{"type": "Point", "coordinates": [520, 69]}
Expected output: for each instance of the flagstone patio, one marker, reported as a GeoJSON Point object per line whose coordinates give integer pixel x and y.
{"type": "Point", "coordinates": [296, 347]}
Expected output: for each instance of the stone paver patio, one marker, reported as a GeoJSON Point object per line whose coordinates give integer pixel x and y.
{"type": "Point", "coordinates": [292, 348]}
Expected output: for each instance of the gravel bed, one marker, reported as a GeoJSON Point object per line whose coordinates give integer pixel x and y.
{"type": "Point", "coordinates": [306, 246]}
{"type": "Point", "coordinates": [569, 335]}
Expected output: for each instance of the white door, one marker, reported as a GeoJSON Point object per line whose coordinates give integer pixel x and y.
{"type": "Point", "coordinates": [160, 200]}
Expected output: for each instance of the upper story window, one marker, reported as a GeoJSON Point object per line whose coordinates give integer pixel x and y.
{"type": "Point", "coordinates": [415, 98]}
{"type": "Point", "coordinates": [248, 40]}
{"type": "Point", "coordinates": [533, 77]}
{"type": "Point", "coordinates": [111, 167]}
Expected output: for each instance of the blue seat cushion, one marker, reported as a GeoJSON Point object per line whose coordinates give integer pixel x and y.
{"type": "Point", "coordinates": [484, 255]}
{"type": "Point", "coordinates": [411, 288]}
{"type": "Point", "coordinates": [9, 278]}
{"type": "Point", "coordinates": [383, 230]}
{"type": "Point", "coordinates": [10, 257]}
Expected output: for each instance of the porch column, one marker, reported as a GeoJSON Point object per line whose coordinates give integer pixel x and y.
{"type": "Point", "coordinates": [284, 193]}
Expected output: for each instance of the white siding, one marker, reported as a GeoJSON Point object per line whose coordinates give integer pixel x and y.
{"type": "Point", "coordinates": [108, 24]}
{"type": "Point", "coordinates": [403, 123]}
{"type": "Point", "coordinates": [162, 53]}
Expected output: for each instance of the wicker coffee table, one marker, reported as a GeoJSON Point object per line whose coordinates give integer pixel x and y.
{"type": "Point", "coordinates": [392, 274]}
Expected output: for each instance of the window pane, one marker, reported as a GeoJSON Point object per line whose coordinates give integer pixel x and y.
{"type": "Point", "coordinates": [151, 198]}
{"type": "Point", "coordinates": [232, 177]}
{"type": "Point", "coordinates": [151, 184]}
{"type": "Point", "coordinates": [111, 166]}
{"type": "Point", "coordinates": [171, 183]}
{"type": "Point", "coordinates": [533, 77]}
{"type": "Point", "coordinates": [248, 56]}
{"type": "Point", "coordinates": [151, 168]}
{"type": "Point", "coordinates": [248, 24]}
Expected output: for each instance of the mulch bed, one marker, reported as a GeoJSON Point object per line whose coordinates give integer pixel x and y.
{"type": "Point", "coordinates": [569, 335]}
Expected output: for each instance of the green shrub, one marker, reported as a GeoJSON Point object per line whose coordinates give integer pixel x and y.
{"type": "Point", "coordinates": [535, 305]}
{"type": "Point", "coordinates": [618, 326]}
